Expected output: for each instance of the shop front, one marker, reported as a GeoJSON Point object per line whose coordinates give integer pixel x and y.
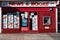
{"type": "Point", "coordinates": [38, 17]}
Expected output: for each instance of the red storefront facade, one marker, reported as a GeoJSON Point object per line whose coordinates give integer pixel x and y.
{"type": "Point", "coordinates": [39, 18]}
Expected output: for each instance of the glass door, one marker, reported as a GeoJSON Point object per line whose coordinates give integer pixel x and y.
{"type": "Point", "coordinates": [29, 21]}
{"type": "Point", "coordinates": [33, 21]}
{"type": "Point", "coordinates": [24, 21]}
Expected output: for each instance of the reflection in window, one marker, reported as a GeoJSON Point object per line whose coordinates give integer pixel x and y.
{"type": "Point", "coordinates": [47, 20]}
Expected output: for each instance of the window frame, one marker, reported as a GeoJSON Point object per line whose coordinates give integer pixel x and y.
{"type": "Point", "coordinates": [23, 12]}
{"type": "Point", "coordinates": [49, 19]}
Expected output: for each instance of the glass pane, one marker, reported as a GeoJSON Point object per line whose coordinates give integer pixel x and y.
{"type": "Point", "coordinates": [4, 21]}
{"type": "Point", "coordinates": [33, 21]}
{"type": "Point", "coordinates": [16, 20]}
{"type": "Point", "coordinates": [47, 20]}
{"type": "Point", "coordinates": [10, 21]}
{"type": "Point", "coordinates": [24, 19]}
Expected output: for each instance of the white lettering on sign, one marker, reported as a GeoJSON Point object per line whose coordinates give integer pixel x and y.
{"type": "Point", "coordinates": [30, 4]}
{"type": "Point", "coordinates": [46, 27]}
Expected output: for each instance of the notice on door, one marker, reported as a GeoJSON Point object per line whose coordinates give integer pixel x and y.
{"type": "Point", "coordinates": [34, 23]}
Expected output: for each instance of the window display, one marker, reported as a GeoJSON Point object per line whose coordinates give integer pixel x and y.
{"type": "Point", "coordinates": [24, 22]}
{"type": "Point", "coordinates": [4, 21]}
{"type": "Point", "coordinates": [10, 21]}
{"type": "Point", "coordinates": [24, 19]}
{"type": "Point", "coordinates": [16, 21]}
{"type": "Point", "coordinates": [33, 21]}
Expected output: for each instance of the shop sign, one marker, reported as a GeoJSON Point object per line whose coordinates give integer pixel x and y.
{"type": "Point", "coordinates": [30, 4]}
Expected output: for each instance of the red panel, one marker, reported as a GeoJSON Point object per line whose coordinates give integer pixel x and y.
{"type": "Point", "coordinates": [26, 9]}
{"type": "Point", "coordinates": [33, 9]}
{"type": "Point", "coordinates": [10, 30]}
{"type": "Point", "coordinates": [24, 28]}
{"type": "Point", "coordinates": [52, 27]}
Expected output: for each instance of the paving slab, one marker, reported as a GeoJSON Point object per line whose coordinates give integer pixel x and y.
{"type": "Point", "coordinates": [28, 36]}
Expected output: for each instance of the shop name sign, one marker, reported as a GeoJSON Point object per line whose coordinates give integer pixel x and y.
{"type": "Point", "coordinates": [30, 4]}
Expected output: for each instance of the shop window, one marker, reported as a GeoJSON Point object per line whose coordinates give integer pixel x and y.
{"type": "Point", "coordinates": [23, 19]}
{"type": "Point", "coordinates": [16, 19]}
{"type": "Point", "coordinates": [4, 21]}
{"type": "Point", "coordinates": [10, 20]}
{"type": "Point", "coordinates": [46, 20]}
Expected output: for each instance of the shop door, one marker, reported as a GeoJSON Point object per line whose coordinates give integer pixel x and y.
{"type": "Point", "coordinates": [47, 22]}
{"type": "Point", "coordinates": [33, 21]}
{"type": "Point", "coordinates": [28, 21]}
{"type": "Point", "coordinates": [24, 23]}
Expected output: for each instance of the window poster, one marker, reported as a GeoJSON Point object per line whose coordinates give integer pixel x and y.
{"type": "Point", "coordinates": [34, 23]}
{"type": "Point", "coordinates": [16, 21]}
{"type": "Point", "coordinates": [26, 15]}
{"type": "Point", "coordinates": [10, 21]}
{"type": "Point", "coordinates": [24, 22]}
{"type": "Point", "coordinates": [24, 19]}
{"type": "Point", "coordinates": [4, 21]}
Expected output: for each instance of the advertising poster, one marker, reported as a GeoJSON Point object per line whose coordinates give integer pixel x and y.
{"type": "Point", "coordinates": [10, 21]}
{"type": "Point", "coordinates": [24, 20]}
{"type": "Point", "coordinates": [34, 23]}
{"type": "Point", "coordinates": [16, 21]}
{"type": "Point", "coordinates": [4, 21]}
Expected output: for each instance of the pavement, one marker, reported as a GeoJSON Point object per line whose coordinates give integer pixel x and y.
{"type": "Point", "coordinates": [30, 36]}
